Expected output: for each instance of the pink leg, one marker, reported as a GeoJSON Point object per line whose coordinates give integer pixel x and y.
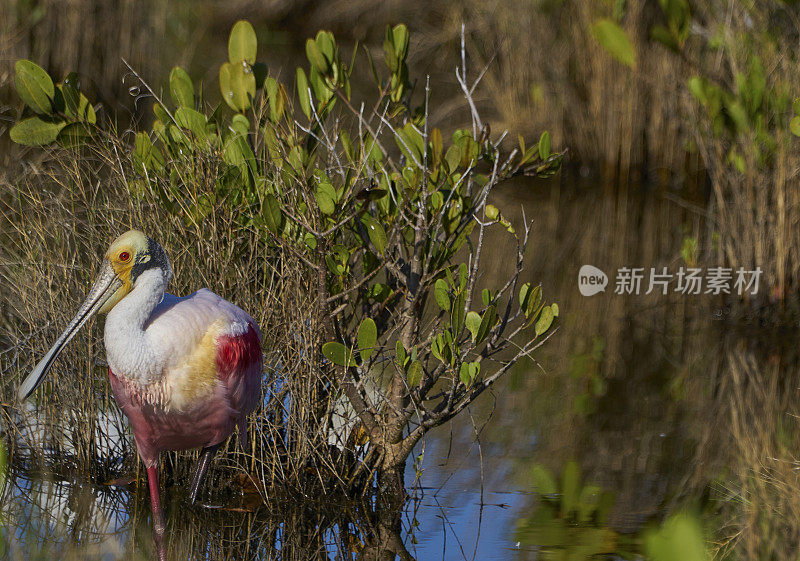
{"type": "Point", "coordinates": [159, 524]}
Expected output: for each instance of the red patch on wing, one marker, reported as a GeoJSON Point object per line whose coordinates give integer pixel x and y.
{"type": "Point", "coordinates": [237, 352]}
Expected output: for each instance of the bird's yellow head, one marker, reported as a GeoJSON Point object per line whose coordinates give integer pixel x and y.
{"type": "Point", "coordinates": [127, 258]}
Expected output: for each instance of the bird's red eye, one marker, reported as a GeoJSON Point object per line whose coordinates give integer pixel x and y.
{"type": "Point", "coordinates": [124, 256]}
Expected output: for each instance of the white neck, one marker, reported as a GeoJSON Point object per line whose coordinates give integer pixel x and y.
{"type": "Point", "coordinates": [127, 347]}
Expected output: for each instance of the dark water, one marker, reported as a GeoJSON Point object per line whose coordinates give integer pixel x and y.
{"type": "Point", "coordinates": [620, 416]}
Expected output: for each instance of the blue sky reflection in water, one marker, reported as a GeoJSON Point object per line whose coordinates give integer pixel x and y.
{"type": "Point", "coordinates": [457, 520]}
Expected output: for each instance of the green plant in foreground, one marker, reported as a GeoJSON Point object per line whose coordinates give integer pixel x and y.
{"type": "Point", "coordinates": [384, 213]}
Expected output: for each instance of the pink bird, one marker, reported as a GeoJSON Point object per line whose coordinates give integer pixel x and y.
{"type": "Point", "coordinates": [185, 371]}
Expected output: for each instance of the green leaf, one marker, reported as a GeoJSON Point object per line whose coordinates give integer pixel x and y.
{"type": "Point", "coordinates": [440, 291]}
{"type": "Point", "coordinates": [529, 298]}
{"type": "Point", "coordinates": [337, 353]}
{"type": "Point", "coordinates": [69, 100]}
{"type": "Point", "coordinates": [437, 144]}
{"type": "Point", "coordinates": [34, 86]}
{"type": "Point", "coordinates": [487, 323]}
{"type": "Point", "coordinates": [36, 132]}
{"type": "Point", "coordinates": [543, 481]}
{"type": "Point", "coordinates": [697, 88]}
{"type": "Point", "coordinates": [367, 336]}
{"type": "Point", "coordinates": [145, 154]}
{"type": "Point", "coordinates": [272, 213]}
{"type": "Point", "coordinates": [462, 275]}
{"type": "Point", "coordinates": [400, 354]}
{"type": "Point", "coordinates": [303, 93]}
{"type": "Point", "coordinates": [193, 120]}
{"type": "Point", "coordinates": [277, 98]}
{"type": "Point", "coordinates": [414, 374]}
{"type": "Point", "coordinates": [316, 58]}
{"type": "Point", "coordinates": [237, 152]}
{"type": "Point", "coordinates": [794, 125]}
{"type": "Point", "coordinates": [615, 41]}
{"type": "Point", "coordinates": [544, 145]}
{"type": "Point", "coordinates": [545, 320]}
{"type": "Point", "coordinates": [161, 113]}
{"type": "Point", "coordinates": [411, 143]}
{"type": "Point", "coordinates": [457, 313]}
{"type": "Point", "coordinates": [440, 349]}
{"type": "Point", "coordinates": [326, 44]}
{"type": "Point", "coordinates": [376, 233]}
{"type": "Point", "coordinates": [453, 158]}
{"type": "Point", "coordinates": [240, 124]}
{"type": "Point", "coordinates": [181, 88]}
{"type": "Point", "coordinates": [473, 323]}
{"type": "Point", "coordinates": [389, 50]}
{"type": "Point", "coordinates": [326, 198]}
{"type": "Point", "coordinates": [664, 36]}
{"type": "Point", "coordinates": [400, 39]}
{"type": "Point", "coordinates": [486, 296]}
{"type": "Point", "coordinates": [242, 43]}
{"type": "Point", "coordinates": [554, 307]}
{"type": "Point", "coordinates": [463, 374]}
{"type": "Point", "coordinates": [237, 83]}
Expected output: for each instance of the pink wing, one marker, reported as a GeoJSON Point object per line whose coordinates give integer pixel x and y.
{"type": "Point", "coordinates": [239, 365]}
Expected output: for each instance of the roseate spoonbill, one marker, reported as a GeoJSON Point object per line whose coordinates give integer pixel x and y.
{"type": "Point", "coordinates": [185, 371]}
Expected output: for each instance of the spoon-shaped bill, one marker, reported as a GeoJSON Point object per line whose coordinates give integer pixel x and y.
{"type": "Point", "coordinates": [104, 287]}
